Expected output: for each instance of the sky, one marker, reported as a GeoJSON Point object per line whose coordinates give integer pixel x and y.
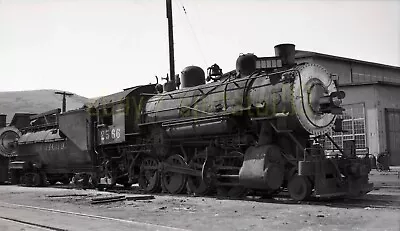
{"type": "Point", "coordinates": [99, 47]}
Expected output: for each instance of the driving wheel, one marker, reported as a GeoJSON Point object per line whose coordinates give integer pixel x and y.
{"type": "Point", "coordinates": [195, 184]}
{"type": "Point", "coordinates": [174, 182]}
{"type": "Point", "coordinates": [149, 176]}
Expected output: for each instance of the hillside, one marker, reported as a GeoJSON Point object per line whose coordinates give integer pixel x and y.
{"type": "Point", "coordinates": [35, 101]}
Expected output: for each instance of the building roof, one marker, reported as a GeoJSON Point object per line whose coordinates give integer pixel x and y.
{"type": "Point", "coordinates": [307, 54]}
{"type": "Point", "coordinates": [383, 83]}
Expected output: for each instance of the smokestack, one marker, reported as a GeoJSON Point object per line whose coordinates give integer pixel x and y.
{"type": "Point", "coordinates": [3, 119]}
{"type": "Point", "coordinates": [286, 52]}
{"type": "Point", "coordinates": [171, 42]}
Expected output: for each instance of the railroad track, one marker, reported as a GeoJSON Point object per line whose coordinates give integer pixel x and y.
{"type": "Point", "coordinates": [366, 203]}
{"type": "Point", "coordinates": [369, 201]}
{"type": "Point", "coordinates": [43, 219]}
{"type": "Point", "coordinates": [35, 217]}
{"type": "Point", "coordinates": [31, 225]}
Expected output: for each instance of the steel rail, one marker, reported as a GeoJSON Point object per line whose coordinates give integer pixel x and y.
{"type": "Point", "coordinates": [136, 223]}
{"type": "Point", "coordinates": [36, 225]}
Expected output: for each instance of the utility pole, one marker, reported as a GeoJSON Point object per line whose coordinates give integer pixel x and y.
{"type": "Point", "coordinates": [171, 42]}
{"type": "Point", "coordinates": [64, 102]}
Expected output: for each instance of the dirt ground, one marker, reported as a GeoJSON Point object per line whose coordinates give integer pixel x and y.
{"type": "Point", "coordinates": [199, 213]}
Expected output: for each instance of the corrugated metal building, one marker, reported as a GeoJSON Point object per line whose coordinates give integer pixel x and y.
{"type": "Point", "coordinates": [372, 103]}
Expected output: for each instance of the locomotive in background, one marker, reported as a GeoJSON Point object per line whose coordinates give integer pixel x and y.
{"type": "Point", "coordinates": [4, 149]}
{"type": "Point", "coordinates": [54, 147]}
{"type": "Point", "coordinates": [9, 134]}
{"type": "Point", "coordinates": [260, 127]}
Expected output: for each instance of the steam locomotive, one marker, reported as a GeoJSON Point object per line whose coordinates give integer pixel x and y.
{"type": "Point", "coordinates": [8, 135]}
{"type": "Point", "coordinates": [259, 128]}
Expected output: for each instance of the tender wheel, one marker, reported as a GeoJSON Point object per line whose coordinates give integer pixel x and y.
{"type": "Point", "coordinates": [149, 176]}
{"type": "Point", "coordinates": [299, 188]}
{"type": "Point", "coordinates": [195, 184]}
{"type": "Point", "coordinates": [174, 182]}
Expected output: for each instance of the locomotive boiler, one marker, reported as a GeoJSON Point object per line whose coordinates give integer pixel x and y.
{"type": "Point", "coordinates": [259, 128]}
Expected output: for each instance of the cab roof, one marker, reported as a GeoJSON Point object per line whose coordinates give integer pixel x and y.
{"type": "Point", "coordinates": [119, 96]}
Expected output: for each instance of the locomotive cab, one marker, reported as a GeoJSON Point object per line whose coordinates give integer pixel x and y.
{"type": "Point", "coordinates": [116, 120]}
{"type": "Point", "coordinates": [117, 115]}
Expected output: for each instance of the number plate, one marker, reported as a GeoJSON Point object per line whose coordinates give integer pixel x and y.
{"type": "Point", "coordinates": [111, 135]}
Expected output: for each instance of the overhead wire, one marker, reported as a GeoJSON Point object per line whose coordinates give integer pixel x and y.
{"type": "Point", "coordinates": [192, 30]}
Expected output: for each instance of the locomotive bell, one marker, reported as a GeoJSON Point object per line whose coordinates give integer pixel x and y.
{"type": "Point", "coordinates": [214, 72]}
{"type": "Point", "coordinates": [287, 53]}
{"type": "Point", "coordinates": [192, 76]}
{"type": "Point", "coordinates": [246, 64]}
